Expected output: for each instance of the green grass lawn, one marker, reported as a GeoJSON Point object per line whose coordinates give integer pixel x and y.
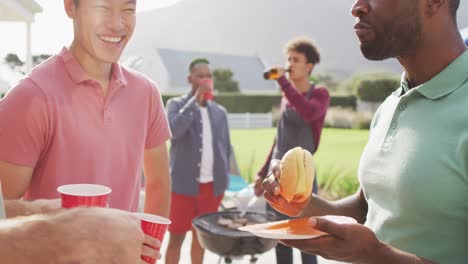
{"type": "Point", "coordinates": [336, 159]}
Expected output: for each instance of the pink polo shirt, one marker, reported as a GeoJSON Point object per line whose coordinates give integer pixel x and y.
{"type": "Point", "coordinates": [58, 122]}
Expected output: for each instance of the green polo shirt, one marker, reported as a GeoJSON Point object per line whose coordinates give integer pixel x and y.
{"type": "Point", "coordinates": [414, 169]}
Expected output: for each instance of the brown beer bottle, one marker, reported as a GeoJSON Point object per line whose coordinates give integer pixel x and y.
{"type": "Point", "coordinates": [273, 74]}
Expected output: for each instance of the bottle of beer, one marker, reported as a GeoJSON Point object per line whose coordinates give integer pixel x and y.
{"type": "Point", "coordinates": [273, 73]}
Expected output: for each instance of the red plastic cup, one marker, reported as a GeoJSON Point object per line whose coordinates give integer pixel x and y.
{"type": "Point", "coordinates": [208, 81]}
{"type": "Point", "coordinates": [86, 195]}
{"type": "Point", "coordinates": [155, 226]}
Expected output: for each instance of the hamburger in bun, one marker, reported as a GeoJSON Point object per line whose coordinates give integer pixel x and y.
{"type": "Point", "coordinates": [297, 175]}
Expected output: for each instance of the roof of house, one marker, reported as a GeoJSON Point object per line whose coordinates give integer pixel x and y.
{"type": "Point", "coordinates": [248, 70]}
{"type": "Point", "coordinates": [18, 10]}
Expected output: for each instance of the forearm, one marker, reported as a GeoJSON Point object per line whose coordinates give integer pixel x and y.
{"type": "Point", "coordinates": [385, 254]}
{"type": "Point", "coordinates": [33, 239]}
{"type": "Point", "coordinates": [15, 179]}
{"type": "Point", "coordinates": [353, 206]}
{"type": "Point", "coordinates": [15, 208]}
{"type": "Point", "coordinates": [158, 181]}
{"type": "Point", "coordinates": [158, 198]}
{"type": "Point", "coordinates": [180, 120]}
{"type": "Point", "coordinates": [309, 109]}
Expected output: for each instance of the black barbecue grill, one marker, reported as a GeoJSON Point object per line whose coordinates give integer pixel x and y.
{"type": "Point", "coordinates": [231, 243]}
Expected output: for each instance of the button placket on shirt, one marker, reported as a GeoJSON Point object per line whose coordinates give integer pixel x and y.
{"type": "Point", "coordinates": [105, 107]}
{"type": "Point", "coordinates": [98, 89]}
{"type": "Point", "coordinates": [113, 88]}
{"type": "Point", "coordinates": [197, 179]}
{"type": "Point", "coordinates": [201, 149]}
{"type": "Point", "coordinates": [106, 111]}
{"type": "Point", "coordinates": [400, 107]}
{"type": "Point", "coordinates": [107, 114]}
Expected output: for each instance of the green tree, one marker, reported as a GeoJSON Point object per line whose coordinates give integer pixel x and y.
{"type": "Point", "coordinates": [38, 59]}
{"type": "Point", "coordinates": [224, 82]}
{"type": "Point", "coordinates": [326, 80]}
{"type": "Point", "coordinates": [376, 87]}
{"type": "Point", "coordinates": [13, 60]}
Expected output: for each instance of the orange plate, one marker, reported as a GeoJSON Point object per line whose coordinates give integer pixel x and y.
{"type": "Point", "coordinates": [287, 229]}
{"type": "Point", "coordinates": [292, 229]}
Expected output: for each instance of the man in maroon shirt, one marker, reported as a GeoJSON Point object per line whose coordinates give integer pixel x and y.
{"type": "Point", "coordinates": [303, 109]}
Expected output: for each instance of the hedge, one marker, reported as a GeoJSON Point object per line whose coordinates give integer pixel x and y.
{"type": "Point", "coordinates": [375, 87]}
{"type": "Point", "coordinates": [242, 103]}
{"type": "Point", "coordinates": [345, 101]}
{"type": "Point", "coordinates": [246, 103]}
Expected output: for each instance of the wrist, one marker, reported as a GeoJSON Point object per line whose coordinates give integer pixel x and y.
{"type": "Point", "coordinates": [376, 253]}
{"type": "Point", "coordinates": [282, 81]}
{"type": "Point", "coordinates": [190, 106]}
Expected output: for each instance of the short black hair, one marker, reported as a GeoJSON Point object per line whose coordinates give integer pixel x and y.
{"type": "Point", "coordinates": [453, 6]}
{"type": "Point", "coordinates": [198, 61]}
{"type": "Point", "coordinates": [76, 2]}
{"type": "Point", "coordinates": [306, 47]}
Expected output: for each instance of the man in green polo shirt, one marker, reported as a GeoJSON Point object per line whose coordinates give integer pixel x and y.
{"type": "Point", "coordinates": [412, 203]}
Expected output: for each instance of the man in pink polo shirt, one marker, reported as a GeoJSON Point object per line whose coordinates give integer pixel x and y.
{"type": "Point", "coordinates": [80, 117]}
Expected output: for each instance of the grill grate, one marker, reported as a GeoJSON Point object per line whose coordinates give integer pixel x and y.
{"type": "Point", "coordinates": [209, 223]}
{"type": "Point", "coordinates": [231, 242]}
